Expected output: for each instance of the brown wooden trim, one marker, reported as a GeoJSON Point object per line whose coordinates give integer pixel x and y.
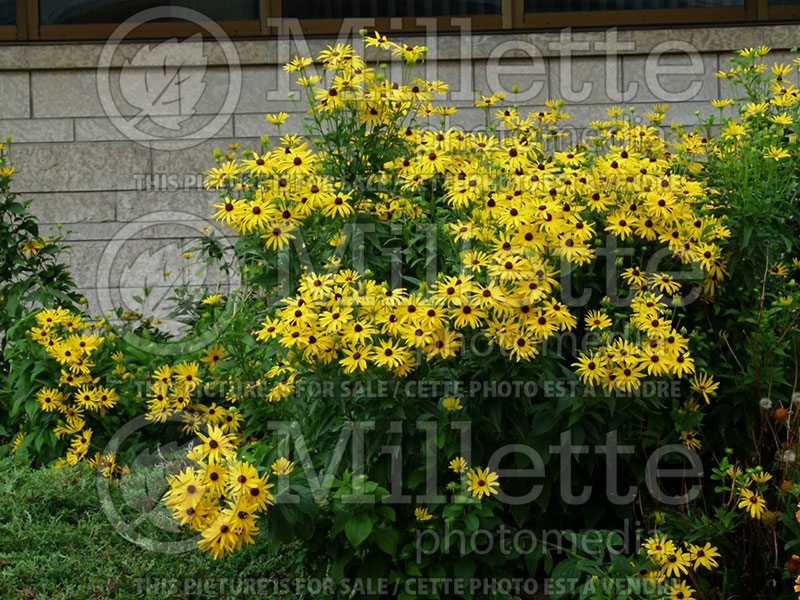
{"type": "Point", "coordinates": [32, 18]}
{"type": "Point", "coordinates": [21, 28]}
{"type": "Point", "coordinates": [507, 16]}
{"type": "Point", "coordinates": [263, 10]}
{"type": "Point", "coordinates": [513, 17]}
{"type": "Point", "coordinates": [144, 31]}
{"type": "Point", "coordinates": [761, 9]}
{"type": "Point", "coordinates": [605, 18]}
{"type": "Point", "coordinates": [394, 25]}
{"type": "Point", "coordinates": [271, 9]}
{"type": "Point", "coordinates": [786, 12]}
{"type": "Point", "coordinates": [517, 14]}
{"type": "Point", "coordinates": [751, 9]}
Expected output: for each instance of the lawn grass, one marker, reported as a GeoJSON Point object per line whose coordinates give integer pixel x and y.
{"type": "Point", "coordinates": [56, 543]}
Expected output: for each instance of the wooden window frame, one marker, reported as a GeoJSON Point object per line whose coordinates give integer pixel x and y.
{"type": "Point", "coordinates": [512, 17]}
{"type": "Point", "coordinates": [13, 32]}
{"type": "Point", "coordinates": [644, 17]}
{"type": "Point", "coordinates": [786, 12]}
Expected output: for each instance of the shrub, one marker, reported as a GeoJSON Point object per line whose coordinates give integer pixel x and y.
{"type": "Point", "coordinates": [488, 228]}
{"type": "Point", "coordinates": [435, 326]}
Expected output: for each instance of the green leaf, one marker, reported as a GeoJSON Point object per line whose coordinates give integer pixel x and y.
{"type": "Point", "coordinates": [622, 564]}
{"type": "Point", "coordinates": [387, 540]}
{"type": "Point", "coordinates": [564, 576]}
{"type": "Point", "coordinates": [465, 568]}
{"type": "Point", "coordinates": [471, 522]}
{"type": "Point", "coordinates": [357, 529]}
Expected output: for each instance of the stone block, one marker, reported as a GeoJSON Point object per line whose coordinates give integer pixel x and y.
{"type": "Point", "coordinates": [15, 93]}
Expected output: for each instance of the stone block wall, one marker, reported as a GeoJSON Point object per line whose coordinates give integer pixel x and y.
{"type": "Point", "coordinates": [130, 208]}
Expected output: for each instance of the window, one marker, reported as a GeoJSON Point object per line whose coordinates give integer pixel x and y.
{"type": "Point", "coordinates": [534, 6]}
{"type": "Point", "coordinates": [97, 19]}
{"type": "Point", "coordinates": [8, 12]}
{"type": "Point", "coordinates": [604, 13]}
{"type": "Point", "coordinates": [74, 12]}
{"type": "Point", "coordinates": [344, 9]}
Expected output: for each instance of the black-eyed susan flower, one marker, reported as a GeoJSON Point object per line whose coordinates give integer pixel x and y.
{"type": "Point", "coordinates": [704, 556]}
{"type": "Point", "coordinates": [752, 502]}
{"type": "Point", "coordinates": [482, 482]}
{"type": "Point", "coordinates": [217, 445]}
{"type": "Point", "coordinates": [704, 385]}
{"type": "Point", "coordinates": [680, 591]}
{"type": "Point", "coordinates": [596, 320]}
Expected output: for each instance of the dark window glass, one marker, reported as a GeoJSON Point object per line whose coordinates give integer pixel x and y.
{"type": "Point", "coordinates": [8, 12]}
{"type": "Point", "coordinates": [784, 2]}
{"type": "Point", "coordinates": [72, 12]}
{"type": "Point", "coordinates": [534, 6]}
{"type": "Point", "coordinates": [344, 9]}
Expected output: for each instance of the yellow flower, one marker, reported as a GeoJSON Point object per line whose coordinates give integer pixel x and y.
{"type": "Point", "coordinates": [680, 591]}
{"type": "Point", "coordinates": [489, 100]}
{"type": "Point", "coordinates": [704, 385]}
{"type": "Point", "coordinates": [722, 103]}
{"type": "Point", "coordinates": [377, 41]}
{"type": "Point", "coordinates": [458, 465]}
{"type": "Point", "coordinates": [591, 369]}
{"type": "Point", "coordinates": [761, 477]}
{"type": "Point", "coordinates": [675, 564]}
{"type": "Point", "coordinates": [278, 235]}
{"type": "Point", "coordinates": [658, 548]}
{"type": "Point", "coordinates": [297, 64]}
{"type": "Point", "coordinates": [277, 119]}
{"type": "Point", "coordinates": [782, 119]}
{"type": "Point", "coordinates": [212, 300]}
{"type": "Point", "coordinates": [213, 356]}
{"type": "Point", "coordinates": [690, 440]}
{"type": "Point", "coordinates": [482, 482]}
{"type": "Point", "coordinates": [452, 403]}
{"type": "Point", "coordinates": [779, 269]}
{"type": "Point", "coordinates": [733, 130]}
{"type": "Point", "coordinates": [704, 556]}
{"type": "Point", "coordinates": [422, 514]}
{"type": "Point", "coordinates": [282, 466]}
{"type": "Point", "coordinates": [752, 502]}
{"type": "Point", "coordinates": [17, 442]}
{"type": "Point", "coordinates": [186, 374]}
{"type": "Point", "coordinates": [217, 445]}
{"type": "Point", "coordinates": [356, 358]}
{"type": "Point", "coordinates": [776, 153]}
{"type": "Point", "coordinates": [309, 81]}
{"type": "Point", "coordinates": [31, 246]}
{"type": "Point", "coordinates": [596, 319]}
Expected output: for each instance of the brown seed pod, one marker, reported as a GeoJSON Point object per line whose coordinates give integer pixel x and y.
{"type": "Point", "coordinates": [781, 414]}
